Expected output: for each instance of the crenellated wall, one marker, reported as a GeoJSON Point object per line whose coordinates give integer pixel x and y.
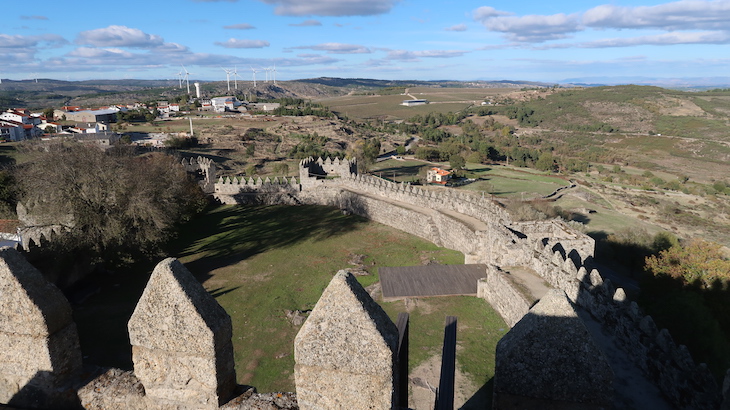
{"type": "Point", "coordinates": [207, 167]}
{"type": "Point", "coordinates": [484, 232]}
{"type": "Point", "coordinates": [182, 351]}
{"type": "Point", "coordinates": [668, 365]}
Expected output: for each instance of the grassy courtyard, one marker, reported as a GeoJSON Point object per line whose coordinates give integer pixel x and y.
{"type": "Point", "coordinates": [260, 262]}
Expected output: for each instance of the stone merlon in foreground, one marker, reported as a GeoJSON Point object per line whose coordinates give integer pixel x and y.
{"type": "Point", "coordinates": [181, 340]}
{"type": "Point", "coordinates": [40, 347]}
{"type": "Point", "coordinates": [345, 352]}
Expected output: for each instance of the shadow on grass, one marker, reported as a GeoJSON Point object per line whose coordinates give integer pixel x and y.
{"type": "Point", "coordinates": [482, 399]}
{"type": "Point", "coordinates": [485, 169]}
{"type": "Point", "coordinates": [6, 155]}
{"type": "Point", "coordinates": [227, 235]}
{"type": "Point", "coordinates": [223, 236]}
{"type": "Point", "coordinates": [405, 170]}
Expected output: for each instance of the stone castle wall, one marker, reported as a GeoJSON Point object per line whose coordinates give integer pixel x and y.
{"type": "Point", "coordinates": [503, 296]}
{"type": "Point", "coordinates": [668, 365]}
{"type": "Point", "coordinates": [181, 338]}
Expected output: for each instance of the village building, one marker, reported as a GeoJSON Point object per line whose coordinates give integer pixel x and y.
{"type": "Point", "coordinates": [411, 103]}
{"type": "Point", "coordinates": [438, 176]}
{"type": "Point", "coordinates": [223, 104]}
{"type": "Point", "coordinates": [108, 115]}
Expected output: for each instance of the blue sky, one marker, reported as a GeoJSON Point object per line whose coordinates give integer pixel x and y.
{"type": "Point", "coordinates": [383, 39]}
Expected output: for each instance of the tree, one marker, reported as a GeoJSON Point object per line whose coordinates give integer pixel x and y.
{"type": "Point", "coordinates": [698, 263]}
{"type": "Point", "coordinates": [48, 113]}
{"type": "Point", "coordinates": [545, 162]}
{"type": "Point", "coordinates": [108, 206]}
{"type": "Point", "coordinates": [457, 162]}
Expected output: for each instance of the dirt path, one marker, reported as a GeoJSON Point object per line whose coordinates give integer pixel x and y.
{"type": "Point", "coordinates": [424, 379]}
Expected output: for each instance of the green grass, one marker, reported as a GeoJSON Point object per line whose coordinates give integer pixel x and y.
{"type": "Point", "coordinates": [510, 182]}
{"type": "Point", "coordinates": [260, 261]}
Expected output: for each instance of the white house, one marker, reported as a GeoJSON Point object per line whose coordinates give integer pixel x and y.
{"type": "Point", "coordinates": [438, 176]}
{"type": "Point", "coordinates": [222, 104]}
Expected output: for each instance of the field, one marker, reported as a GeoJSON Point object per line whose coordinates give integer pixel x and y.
{"type": "Point", "coordinates": [262, 262]}
{"type": "Point", "coordinates": [387, 107]}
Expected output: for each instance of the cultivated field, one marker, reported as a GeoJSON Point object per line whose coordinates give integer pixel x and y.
{"type": "Point", "coordinates": [387, 107]}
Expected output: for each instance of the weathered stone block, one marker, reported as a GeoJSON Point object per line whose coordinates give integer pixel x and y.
{"type": "Point", "coordinates": [40, 347]}
{"type": "Point", "coordinates": [181, 340]}
{"type": "Point", "coordinates": [345, 352]}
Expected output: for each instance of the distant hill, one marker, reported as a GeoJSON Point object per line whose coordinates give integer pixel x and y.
{"type": "Point", "coordinates": [372, 84]}
{"type": "Point", "coordinates": [632, 109]}
{"type": "Point", "coordinates": [45, 93]}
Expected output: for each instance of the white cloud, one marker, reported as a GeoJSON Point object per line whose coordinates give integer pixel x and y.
{"type": "Point", "coordinates": [337, 48]}
{"type": "Point", "coordinates": [457, 27]}
{"type": "Point", "coordinates": [118, 36]}
{"type": "Point", "coordinates": [242, 26]}
{"type": "Point", "coordinates": [19, 41]}
{"type": "Point", "coordinates": [331, 7]}
{"type": "Point", "coordinates": [241, 43]}
{"type": "Point", "coordinates": [534, 28]}
{"type": "Point", "coordinates": [171, 48]}
{"type": "Point", "coordinates": [665, 39]}
{"type": "Point", "coordinates": [680, 15]}
{"type": "Point", "coordinates": [96, 53]}
{"type": "Point", "coordinates": [307, 23]}
{"type": "Point", "coordinates": [486, 12]}
{"type": "Point", "coordinates": [417, 55]}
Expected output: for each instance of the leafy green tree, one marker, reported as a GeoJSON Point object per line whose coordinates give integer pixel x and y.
{"type": "Point", "coordinates": [457, 162]}
{"type": "Point", "coordinates": [545, 162]}
{"type": "Point", "coordinates": [697, 263]}
{"type": "Point", "coordinates": [48, 113]}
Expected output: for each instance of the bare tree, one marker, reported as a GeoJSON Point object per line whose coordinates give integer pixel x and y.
{"type": "Point", "coordinates": [109, 205]}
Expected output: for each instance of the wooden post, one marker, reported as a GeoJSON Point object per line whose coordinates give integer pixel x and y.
{"type": "Point", "coordinates": [402, 325]}
{"type": "Point", "coordinates": [445, 393]}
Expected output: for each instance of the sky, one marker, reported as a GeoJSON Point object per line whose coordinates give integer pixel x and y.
{"type": "Point", "coordinates": [548, 41]}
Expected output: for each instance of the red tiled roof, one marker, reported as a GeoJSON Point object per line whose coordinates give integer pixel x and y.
{"type": "Point", "coordinates": [9, 225]}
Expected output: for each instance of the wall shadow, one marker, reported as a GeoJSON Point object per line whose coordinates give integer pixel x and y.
{"type": "Point", "coordinates": [228, 235]}
{"type": "Point", "coordinates": [482, 399]}
{"type": "Point", "coordinates": [223, 236]}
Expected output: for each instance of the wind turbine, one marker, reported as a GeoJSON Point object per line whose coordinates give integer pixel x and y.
{"type": "Point", "coordinates": [235, 76]}
{"type": "Point", "coordinates": [179, 79]}
{"type": "Point", "coordinates": [254, 76]}
{"type": "Point", "coordinates": [228, 76]}
{"type": "Point", "coordinates": [187, 76]}
{"type": "Point", "coordinates": [273, 71]}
